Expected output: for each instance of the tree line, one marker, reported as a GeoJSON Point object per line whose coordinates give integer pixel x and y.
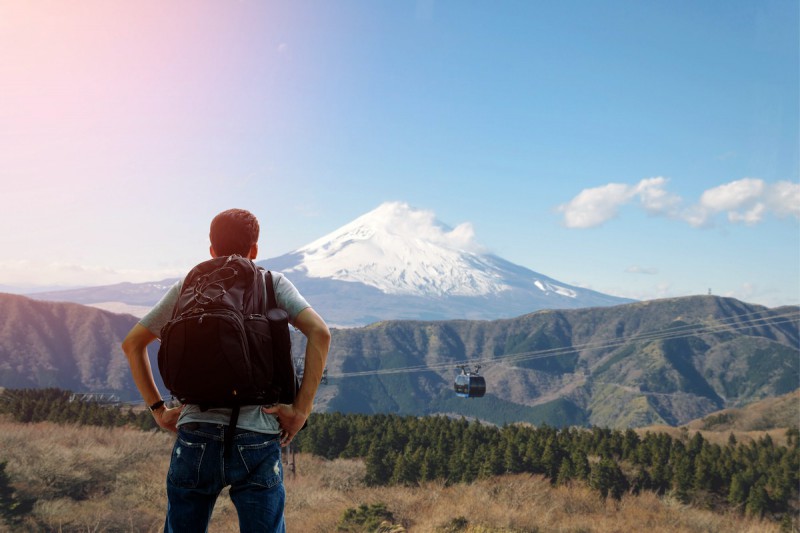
{"type": "Point", "coordinates": [758, 478]}
{"type": "Point", "coordinates": [57, 405]}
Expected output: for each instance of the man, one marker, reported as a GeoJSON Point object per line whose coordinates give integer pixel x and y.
{"type": "Point", "coordinates": [198, 469]}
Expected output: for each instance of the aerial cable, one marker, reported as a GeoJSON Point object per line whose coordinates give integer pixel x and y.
{"type": "Point", "coordinates": [675, 332]}
{"type": "Point", "coordinates": [668, 333]}
{"type": "Point", "coordinates": [659, 335]}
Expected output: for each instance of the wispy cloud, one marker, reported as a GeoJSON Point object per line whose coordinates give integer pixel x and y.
{"type": "Point", "coordinates": [595, 206]}
{"type": "Point", "coordinates": [744, 201]}
{"type": "Point", "coordinates": [72, 275]}
{"type": "Point", "coordinates": [635, 269]}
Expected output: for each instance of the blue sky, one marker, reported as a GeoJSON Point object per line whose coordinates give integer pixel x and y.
{"type": "Point", "coordinates": [644, 149]}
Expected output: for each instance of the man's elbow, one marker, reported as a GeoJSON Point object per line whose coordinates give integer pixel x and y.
{"type": "Point", "coordinates": [129, 346]}
{"type": "Point", "coordinates": [136, 341]}
{"type": "Point", "coordinates": [321, 335]}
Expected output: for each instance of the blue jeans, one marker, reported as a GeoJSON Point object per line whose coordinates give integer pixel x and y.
{"type": "Point", "coordinates": [198, 472]}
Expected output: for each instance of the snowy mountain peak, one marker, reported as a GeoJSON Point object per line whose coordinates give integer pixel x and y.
{"type": "Point", "coordinates": [402, 250]}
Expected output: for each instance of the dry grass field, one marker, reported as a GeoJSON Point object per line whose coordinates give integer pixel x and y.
{"type": "Point", "coordinates": [93, 479]}
{"type": "Point", "coordinates": [771, 416]}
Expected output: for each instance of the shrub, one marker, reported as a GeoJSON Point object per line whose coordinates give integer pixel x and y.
{"type": "Point", "coordinates": [365, 518]}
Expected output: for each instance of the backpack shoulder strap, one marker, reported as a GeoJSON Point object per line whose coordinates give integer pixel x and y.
{"type": "Point", "coordinates": [272, 303]}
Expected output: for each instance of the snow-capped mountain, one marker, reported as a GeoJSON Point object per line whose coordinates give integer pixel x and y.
{"type": "Point", "coordinates": [395, 262]}
{"type": "Point", "coordinates": [400, 262]}
{"type": "Point", "coordinates": [400, 250]}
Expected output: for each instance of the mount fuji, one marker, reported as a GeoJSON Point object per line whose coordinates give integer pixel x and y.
{"type": "Point", "coordinates": [395, 262]}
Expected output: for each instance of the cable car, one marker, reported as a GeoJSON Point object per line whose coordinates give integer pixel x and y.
{"type": "Point", "coordinates": [469, 384]}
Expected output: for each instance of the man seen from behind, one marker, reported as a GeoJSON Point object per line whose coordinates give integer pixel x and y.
{"type": "Point", "coordinates": [199, 470]}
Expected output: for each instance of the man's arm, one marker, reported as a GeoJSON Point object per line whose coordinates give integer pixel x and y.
{"type": "Point", "coordinates": [292, 417]}
{"type": "Point", "coordinates": [135, 348]}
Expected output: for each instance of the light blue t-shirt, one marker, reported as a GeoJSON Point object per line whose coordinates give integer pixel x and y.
{"type": "Point", "coordinates": [251, 417]}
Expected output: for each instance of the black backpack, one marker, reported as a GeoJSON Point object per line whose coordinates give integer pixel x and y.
{"type": "Point", "coordinates": [225, 346]}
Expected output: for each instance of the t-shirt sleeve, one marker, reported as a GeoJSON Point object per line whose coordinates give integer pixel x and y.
{"type": "Point", "coordinates": [161, 313]}
{"type": "Point", "coordinates": [287, 296]}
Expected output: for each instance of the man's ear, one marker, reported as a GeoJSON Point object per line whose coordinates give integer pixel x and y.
{"type": "Point", "coordinates": [253, 251]}
{"type": "Point", "coordinates": [211, 251]}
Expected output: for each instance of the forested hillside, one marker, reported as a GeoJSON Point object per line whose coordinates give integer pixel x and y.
{"type": "Point", "coordinates": [69, 346]}
{"type": "Point", "coordinates": [657, 362]}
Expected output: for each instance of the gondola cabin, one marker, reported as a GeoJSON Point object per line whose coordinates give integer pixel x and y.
{"type": "Point", "coordinates": [470, 384]}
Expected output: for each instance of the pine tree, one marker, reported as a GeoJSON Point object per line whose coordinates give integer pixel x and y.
{"type": "Point", "coordinates": [630, 443]}
{"type": "Point", "coordinates": [380, 465]}
{"type": "Point", "coordinates": [757, 501]}
{"type": "Point", "coordinates": [607, 478]}
{"type": "Point", "coordinates": [493, 465]}
{"type": "Point", "coordinates": [9, 506]}
{"type": "Point", "coordinates": [551, 459]}
{"type": "Point", "coordinates": [512, 460]}
{"type": "Point", "coordinates": [564, 472]}
{"type": "Point", "coordinates": [740, 488]}
{"type": "Point", "coordinates": [682, 478]}
{"type": "Point", "coordinates": [407, 468]}
{"type": "Point", "coordinates": [793, 437]}
{"type": "Point", "coordinates": [580, 464]}
{"type": "Point", "coordinates": [427, 470]}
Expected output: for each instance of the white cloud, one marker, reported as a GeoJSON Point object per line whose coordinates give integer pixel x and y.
{"type": "Point", "coordinates": [597, 205]}
{"type": "Point", "coordinates": [425, 224]}
{"type": "Point", "coordinates": [746, 201]}
{"type": "Point", "coordinates": [594, 206]}
{"type": "Point", "coordinates": [402, 219]}
{"type": "Point", "coordinates": [783, 198]}
{"type": "Point", "coordinates": [732, 195]}
{"type": "Point", "coordinates": [695, 216]}
{"type": "Point", "coordinates": [654, 198]}
{"type": "Point", "coordinates": [55, 273]}
{"type": "Point", "coordinates": [462, 237]}
{"type": "Point", "coordinates": [752, 216]}
{"type": "Point", "coordinates": [635, 269]}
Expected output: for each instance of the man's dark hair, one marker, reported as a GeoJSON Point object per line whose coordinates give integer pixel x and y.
{"type": "Point", "coordinates": [233, 232]}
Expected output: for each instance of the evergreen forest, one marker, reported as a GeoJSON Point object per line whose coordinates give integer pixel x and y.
{"type": "Point", "coordinates": [60, 406]}
{"type": "Point", "coordinates": [758, 478]}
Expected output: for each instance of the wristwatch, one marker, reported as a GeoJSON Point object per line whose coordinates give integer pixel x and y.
{"type": "Point", "coordinates": [156, 405]}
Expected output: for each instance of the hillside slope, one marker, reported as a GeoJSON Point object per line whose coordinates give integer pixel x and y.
{"type": "Point", "coordinates": [767, 414]}
{"type": "Point", "coordinates": [64, 345]}
{"type": "Point", "coordinates": [657, 362]}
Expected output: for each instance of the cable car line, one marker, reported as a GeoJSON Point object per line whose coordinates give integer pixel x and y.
{"type": "Point", "coordinates": [668, 333]}
{"type": "Point", "coordinates": [656, 336]}
{"type": "Point", "coordinates": [676, 332]}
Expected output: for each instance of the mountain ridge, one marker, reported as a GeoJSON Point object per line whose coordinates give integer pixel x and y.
{"type": "Point", "coordinates": [633, 365]}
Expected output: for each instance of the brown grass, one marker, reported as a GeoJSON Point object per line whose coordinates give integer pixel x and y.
{"type": "Point", "coordinates": [322, 490]}
{"type": "Point", "coordinates": [770, 416]}
{"type": "Point", "coordinates": [684, 433]}
{"type": "Point", "coordinates": [97, 479]}
{"type": "Point", "coordinates": [781, 411]}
